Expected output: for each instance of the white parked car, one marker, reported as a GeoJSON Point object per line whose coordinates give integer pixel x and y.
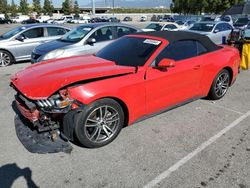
{"type": "Point", "coordinates": [159, 26]}
{"type": "Point", "coordinates": [143, 18]}
{"type": "Point", "coordinates": [81, 20]}
{"type": "Point", "coordinates": [216, 31]}
{"type": "Point", "coordinates": [19, 19]}
{"type": "Point", "coordinates": [187, 24]}
{"type": "Point", "coordinates": [63, 19]}
{"type": "Point", "coordinates": [43, 19]}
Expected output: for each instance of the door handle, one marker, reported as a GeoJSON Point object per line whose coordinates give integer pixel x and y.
{"type": "Point", "coordinates": [197, 67]}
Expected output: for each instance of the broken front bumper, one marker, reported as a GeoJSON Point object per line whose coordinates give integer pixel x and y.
{"type": "Point", "coordinates": [36, 142]}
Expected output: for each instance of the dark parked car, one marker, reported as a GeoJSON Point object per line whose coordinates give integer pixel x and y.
{"type": "Point", "coordinates": [156, 18]}
{"type": "Point", "coordinates": [127, 19]}
{"type": "Point", "coordinates": [30, 21]}
{"type": "Point", "coordinates": [114, 19]}
{"type": "Point", "coordinates": [242, 23]}
{"type": "Point", "coordinates": [5, 21]}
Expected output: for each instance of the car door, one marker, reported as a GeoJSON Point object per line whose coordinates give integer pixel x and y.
{"type": "Point", "coordinates": [166, 88]}
{"type": "Point", "coordinates": [217, 34]}
{"type": "Point", "coordinates": [103, 37]}
{"type": "Point", "coordinates": [227, 28]}
{"type": "Point", "coordinates": [31, 38]}
{"type": "Point", "coordinates": [53, 33]}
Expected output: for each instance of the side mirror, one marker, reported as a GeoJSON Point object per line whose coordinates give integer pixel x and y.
{"type": "Point", "coordinates": [91, 41]}
{"type": "Point", "coordinates": [216, 31]}
{"type": "Point", "coordinates": [166, 63]}
{"type": "Point", "coordinates": [20, 38]}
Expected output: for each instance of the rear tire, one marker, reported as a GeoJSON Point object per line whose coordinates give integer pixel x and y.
{"type": "Point", "coordinates": [100, 123]}
{"type": "Point", "coordinates": [220, 85]}
{"type": "Point", "coordinates": [6, 58]}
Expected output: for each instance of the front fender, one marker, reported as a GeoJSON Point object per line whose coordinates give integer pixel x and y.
{"type": "Point", "coordinates": [128, 88]}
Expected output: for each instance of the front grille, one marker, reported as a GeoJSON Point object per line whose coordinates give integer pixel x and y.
{"type": "Point", "coordinates": [35, 56]}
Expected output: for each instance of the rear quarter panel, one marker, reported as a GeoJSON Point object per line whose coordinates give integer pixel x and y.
{"type": "Point", "coordinates": [214, 62]}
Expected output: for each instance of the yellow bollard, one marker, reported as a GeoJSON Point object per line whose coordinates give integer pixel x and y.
{"type": "Point", "coordinates": [245, 57]}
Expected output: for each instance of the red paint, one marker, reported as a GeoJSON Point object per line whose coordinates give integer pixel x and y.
{"type": "Point", "coordinates": [32, 116]}
{"type": "Point", "coordinates": [144, 91]}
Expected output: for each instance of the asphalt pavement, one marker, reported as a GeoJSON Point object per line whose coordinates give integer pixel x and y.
{"type": "Point", "coordinates": [201, 144]}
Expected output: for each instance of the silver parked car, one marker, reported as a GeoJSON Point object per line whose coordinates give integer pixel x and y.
{"type": "Point", "coordinates": [216, 31]}
{"type": "Point", "coordinates": [84, 39]}
{"type": "Point", "coordinates": [18, 43]}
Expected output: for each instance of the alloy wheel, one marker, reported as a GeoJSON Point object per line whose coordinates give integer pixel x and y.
{"type": "Point", "coordinates": [222, 84]}
{"type": "Point", "coordinates": [5, 59]}
{"type": "Point", "coordinates": [102, 124]}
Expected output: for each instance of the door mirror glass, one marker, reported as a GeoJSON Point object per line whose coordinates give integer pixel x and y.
{"type": "Point", "coordinates": [20, 38]}
{"type": "Point", "coordinates": [166, 63]}
{"type": "Point", "coordinates": [91, 41]}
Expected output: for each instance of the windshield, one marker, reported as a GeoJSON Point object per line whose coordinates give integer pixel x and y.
{"type": "Point", "coordinates": [12, 32]}
{"type": "Point", "coordinates": [205, 27]}
{"type": "Point", "coordinates": [242, 21]}
{"type": "Point", "coordinates": [129, 51]}
{"type": "Point", "coordinates": [156, 27]}
{"type": "Point", "coordinates": [76, 34]}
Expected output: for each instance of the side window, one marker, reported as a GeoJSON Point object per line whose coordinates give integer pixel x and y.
{"type": "Point", "coordinates": [54, 31]}
{"type": "Point", "coordinates": [121, 31]}
{"type": "Point", "coordinates": [102, 34]}
{"type": "Point", "coordinates": [179, 51]}
{"type": "Point", "coordinates": [33, 33]}
{"type": "Point", "coordinates": [219, 27]}
{"type": "Point", "coordinates": [227, 27]}
{"type": "Point", "coordinates": [201, 49]}
{"type": "Point", "coordinates": [170, 27]}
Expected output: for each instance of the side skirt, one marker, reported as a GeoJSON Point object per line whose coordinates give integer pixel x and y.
{"type": "Point", "coordinates": [167, 109]}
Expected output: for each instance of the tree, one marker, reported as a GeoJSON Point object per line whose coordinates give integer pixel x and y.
{"type": "Point", "coordinates": [76, 9]}
{"type": "Point", "coordinates": [66, 7]}
{"type": "Point", "coordinates": [24, 7]}
{"type": "Point", "coordinates": [37, 6]}
{"type": "Point", "coordinates": [3, 6]}
{"type": "Point", "coordinates": [48, 8]}
{"type": "Point", "coordinates": [13, 9]}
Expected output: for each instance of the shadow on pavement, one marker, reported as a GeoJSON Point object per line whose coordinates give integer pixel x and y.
{"type": "Point", "coordinates": [10, 172]}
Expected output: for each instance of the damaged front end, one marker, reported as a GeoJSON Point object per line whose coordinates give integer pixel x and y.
{"type": "Point", "coordinates": [40, 123]}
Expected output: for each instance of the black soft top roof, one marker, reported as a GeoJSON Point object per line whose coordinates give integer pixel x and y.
{"type": "Point", "coordinates": [173, 36]}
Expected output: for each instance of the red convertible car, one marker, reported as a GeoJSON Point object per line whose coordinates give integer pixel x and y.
{"type": "Point", "coordinates": [88, 99]}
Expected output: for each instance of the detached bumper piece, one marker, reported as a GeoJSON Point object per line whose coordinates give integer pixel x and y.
{"type": "Point", "coordinates": [36, 142]}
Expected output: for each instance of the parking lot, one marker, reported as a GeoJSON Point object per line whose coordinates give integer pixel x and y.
{"type": "Point", "coordinates": [201, 144]}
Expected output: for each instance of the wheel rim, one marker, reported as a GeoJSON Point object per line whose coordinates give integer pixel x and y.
{"type": "Point", "coordinates": [4, 59]}
{"type": "Point", "coordinates": [102, 124]}
{"type": "Point", "coordinates": [222, 84]}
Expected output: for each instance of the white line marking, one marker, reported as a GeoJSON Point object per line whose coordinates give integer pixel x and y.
{"type": "Point", "coordinates": [203, 146]}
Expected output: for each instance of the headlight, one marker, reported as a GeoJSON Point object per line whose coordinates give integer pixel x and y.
{"type": "Point", "coordinates": [53, 54]}
{"type": "Point", "coordinates": [57, 101]}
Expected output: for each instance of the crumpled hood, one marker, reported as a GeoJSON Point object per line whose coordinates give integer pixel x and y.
{"type": "Point", "coordinates": [39, 81]}
{"type": "Point", "coordinates": [50, 46]}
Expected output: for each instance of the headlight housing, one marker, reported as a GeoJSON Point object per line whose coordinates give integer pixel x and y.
{"type": "Point", "coordinates": [54, 54]}
{"type": "Point", "coordinates": [57, 101]}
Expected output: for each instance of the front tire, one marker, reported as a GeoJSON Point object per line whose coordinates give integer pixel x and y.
{"type": "Point", "coordinates": [220, 85]}
{"type": "Point", "coordinates": [6, 58]}
{"type": "Point", "coordinates": [100, 123]}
